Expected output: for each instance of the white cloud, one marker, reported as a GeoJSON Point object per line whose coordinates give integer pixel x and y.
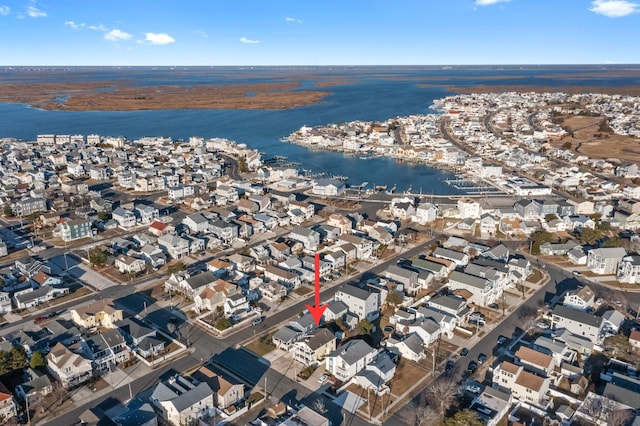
{"type": "Point", "coordinates": [294, 20]}
{"type": "Point", "coordinates": [34, 12]}
{"type": "Point", "coordinates": [489, 2]}
{"type": "Point", "coordinates": [74, 25]}
{"type": "Point", "coordinates": [202, 33]}
{"type": "Point", "coordinates": [117, 35]}
{"type": "Point", "coordinates": [614, 8]}
{"type": "Point", "coordinates": [248, 41]}
{"type": "Point", "coordinates": [4, 10]}
{"type": "Point", "coordinates": [159, 38]}
{"type": "Point", "coordinates": [98, 27]}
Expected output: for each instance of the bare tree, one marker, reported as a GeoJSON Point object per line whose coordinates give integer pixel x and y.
{"type": "Point", "coordinates": [526, 317]}
{"type": "Point", "coordinates": [318, 406]}
{"type": "Point", "coordinates": [420, 414]}
{"type": "Point", "coordinates": [441, 392]}
{"type": "Point", "coordinates": [594, 407]}
{"type": "Point", "coordinates": [619, 417]}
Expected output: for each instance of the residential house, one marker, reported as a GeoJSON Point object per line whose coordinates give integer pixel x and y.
{"type": "Point", "coordinates": [289, 279]}
{"type": "Point", "coordinates": [629, 270]}
{"type": "Point", "coordinates": [225, 393]}
{"type": "Point", "coordinates": [482, 291]}
{"type": "Point", "coordinates": [558, 350]}
{"type": "Point", "coordinates": [438, 270]}
{"type": "Point", "coordinates": [194, 285]}
{"type": "Point", "coordinates": [29, 266]}
{"type": "Point", "coordinates": [524, 386]}
{"type": "Point", "coordinates": [425, 213]}
{"type": "Point", "coordinates": [236, 306]}
{"type": "Point", "coordinates": [97, 314]}
{"type": "Point", "coordinates": [460, 259]}
{"type": "Point", "coordinates": [38, 296]}
{"type": "Point", "coordinates": [227, 232]}
{"type": "Point", "coordinates": [328, 187]}
{"type": "Point", "coordinates": [579, 222]}
{"type": "Point", "coordinates": [180, 192]}
{"type": "Point", "coordinates": [273, 291]}
{"type": "Point", "coordinates": [314, 348]}
{"type": "Point", "coordinates": [605, 261]}
{"type": "Point", "coordinates": [535, 361]}
{"type": "Point", "coordinates": [364, 247]}
{"type": "Point", "coordinates": [347, 360]}
{"type": "Point", "coordinates": [452, 305]}
{"type": "Point", "coordinates": [154, 256]}
{"type": "Point", "coordinates": [180, 402]}
{"type": "Point", "coordinates": [308, 237]}
{"type": "Point", "coordinates": [27, 206]}
{"type": "Point", "coordinates": [159, 228]}
{"type": "Point", "coordinates": [307, 209]}
{"type": "Point", "coordinates": [446, 321]}
{"type": "Point", "coordinates": [581, 299]}
{"type": "Point", "coordinates": [129, 265]}
{"type": "Point", "coordinates": [213, 297]}
{"type": "Point", "coordinates": [146, 214]}
{"type": "Point", "coordinates": [406, 277]}
{"type": "Point", "coordinates": [342, 223]}
{"type": "Point", "coordinates": [491, 406]}
{"type": "Point", "coordinates": [335, 310]}
{"type": "Point", "coordinates": [411, 347]}
{"type": "Point", "coordinates": [196, 223]}
{"type": "Point", "coordinates": [577, 322]}
{"type": "Point", "coordinates": [174, 246]}
{"type": "Point", "coordinates": [106, 350]}
{"type": "Point", "coordinates": [75, 229]}
{"type": "Point", "coordinates": [125, 218]}
{"type": "Point", "coordinates": [35, 385]}
{"type": "Point", "coordinates": [376, 374]}
{"type": "Point", "coordinates": [8, 407]}
{"type": "Point", "coordinates": [69, 368]}
{"type": "Point", "coordinates": [363, 303]}
{"type": "Point", "coordinates": [295, 331]}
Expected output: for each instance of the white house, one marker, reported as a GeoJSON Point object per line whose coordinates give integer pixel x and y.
{"type": "Point", "coordinates": [347, 360]}
{"type": "Point", "coordinates": [363, 303]}
{"type": "Point", "coordinates": [605, 261]}
{"type": "Point", "coordinates": [581, 299]}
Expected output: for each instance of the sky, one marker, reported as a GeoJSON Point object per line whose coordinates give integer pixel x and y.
{"type": "Point", "coordinates": [327, 32]}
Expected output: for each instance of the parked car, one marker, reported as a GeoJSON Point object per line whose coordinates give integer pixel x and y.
{"type": "Point", "coordinates": [473, 388]}
{"type": "Point", "coordinates": [502, 340]}
{"type": "Point", "coordinates": [482, 358]}
{"type": "Point", "coordinates": [542, 324]}
{"type": "Point", "coordinates": [577, 273]}
{"type": "Point", "coordinates": [464, 352]}
{"type": "Point", "coordinates": [257, 321]}
{"type": "Point", "coordinates": [38, 320]}
{"type": "Point", "coordinates": [473, 366]}
{"type": "Point", "coordinates": [448, 368]}
{"type": "Point", "coordinates": [323, 378]}
{"type": "Point", "coordinates": [494, 306]}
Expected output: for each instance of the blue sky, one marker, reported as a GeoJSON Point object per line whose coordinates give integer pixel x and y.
{"type": "Point", "coordinates": [327, 32]}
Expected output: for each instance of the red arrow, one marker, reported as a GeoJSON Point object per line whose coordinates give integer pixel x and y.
{"type": "Point", "coordinates": [318, 309]}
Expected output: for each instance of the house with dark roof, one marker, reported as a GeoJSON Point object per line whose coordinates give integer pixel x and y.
{"type": "Point", "coordinates": [313, 349]}
{"type": "Point", "coordinates": [226, 392]}
{"type": "Point", "coordinates": [179, 401]}
{"type": "Point", "coordinates": [363, 303]}
{"type": "Point", "coordinates": [347, 360]}
{"type": "Point", "coordinates": [35, 385]}
{"type": "Point", "coordinates": [106, 350]}
{"type": "Point", "coordinates": [579, 323]}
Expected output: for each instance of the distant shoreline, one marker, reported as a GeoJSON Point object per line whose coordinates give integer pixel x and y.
{"type": "Point", "coordinates": [278, 88]}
